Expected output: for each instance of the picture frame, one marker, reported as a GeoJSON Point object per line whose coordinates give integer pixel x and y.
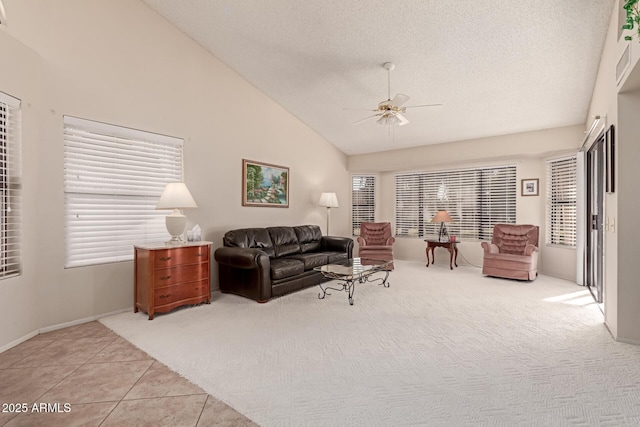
{"type": "Point", "coordinates": [610, 160]}
{"type": "Point", "coordinates": [264, 184]}
{"type": "Point", "coordinates": [530, 187]}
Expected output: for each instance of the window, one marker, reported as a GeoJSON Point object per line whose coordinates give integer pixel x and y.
{"type": "Point", "coordinates": [113, 178]}
{"type": "Point", "coordinates": [10, 187]}
{"type": "Point", "coordinates": [476, 199]}
{"type": "Point", "coordinates": [363, 206]}
{"type": "Point", "coordinates": [562, 192]}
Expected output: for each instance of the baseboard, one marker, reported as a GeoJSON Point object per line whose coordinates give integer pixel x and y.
{"type": "Point", "coordinates": [627, 341]}
{"type": "Point", "coordinates": [59, 326]}
{"type": "Point", "coordinates": [18, 341]}
{"type": "Point", "coordinates": [81, 321]}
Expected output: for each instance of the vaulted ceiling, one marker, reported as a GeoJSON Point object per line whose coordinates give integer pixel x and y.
{"type": "Point", "coordinates": [497, 67]}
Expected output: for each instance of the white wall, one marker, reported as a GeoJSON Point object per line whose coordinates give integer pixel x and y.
{"type": "Point", "coordinates": [627, 289]}
{"type": "Point", "coordinates": [528, 151]}
{"type": "Point", "coordinates": [619, 101]}
{"type": "Point", "coordinates": [116, 61]}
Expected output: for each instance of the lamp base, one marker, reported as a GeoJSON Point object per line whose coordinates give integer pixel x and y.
{"type": "Point", "coordinates": [176, 223]}
{"type": "Point", "coordinates": [444, 234]}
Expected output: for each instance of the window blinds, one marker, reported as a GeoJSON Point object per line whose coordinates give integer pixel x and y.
{"type": "Point", "coordinates": [363, 207]}
{"type": "Point", "coordinates": [476, 199]}
{"type": "Point", "coordinates": [113, 178]}
{"type": "Point", "coordinates": [10, 187]}
{"type": "Point", "coordinates": [561, 202]}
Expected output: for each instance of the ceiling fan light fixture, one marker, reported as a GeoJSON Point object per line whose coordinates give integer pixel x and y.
{"type": "Point", "coordinates": [388, 120]}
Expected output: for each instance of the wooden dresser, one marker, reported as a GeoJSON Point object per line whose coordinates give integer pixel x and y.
{"type": "Point", "coordinates": [169, 276]}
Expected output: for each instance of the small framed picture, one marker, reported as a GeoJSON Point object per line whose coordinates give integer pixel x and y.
{"type": "Point", "coordinates": [530, 187]}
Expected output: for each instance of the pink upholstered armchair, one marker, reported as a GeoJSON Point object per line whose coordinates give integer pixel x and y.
{"type": "Point", "coordinates": [512, 253]}
{"type": "Point", "coordinates": [376, 242]}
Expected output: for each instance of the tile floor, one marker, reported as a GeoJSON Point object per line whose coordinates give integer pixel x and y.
{"type": "Point", "coordinates": [98, 378]}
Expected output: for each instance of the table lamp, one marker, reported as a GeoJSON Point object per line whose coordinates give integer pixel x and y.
{"type": "Point", "coordinates": [176, 196]}
{"type": "Point", "coordinates": [442, 216]}
{"type": "Point", "coordinates": [328, 200]}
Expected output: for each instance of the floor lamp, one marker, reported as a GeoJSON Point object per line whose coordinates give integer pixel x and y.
{"type": "Point", "coordinates": [328, 200]}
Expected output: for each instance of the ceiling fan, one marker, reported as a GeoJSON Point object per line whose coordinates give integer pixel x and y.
{"type": "Point", "coordinates": [389, 112]}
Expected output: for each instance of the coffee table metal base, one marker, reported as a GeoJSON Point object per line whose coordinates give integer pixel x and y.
{"type": "Point", "coordinates": [349, 283]}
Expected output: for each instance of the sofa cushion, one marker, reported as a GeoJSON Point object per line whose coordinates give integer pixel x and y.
{"type": "Point", "coordinates": [337, 256]}
{"type": "Point", "coordinates": [256, 238]}
{"type": "Point", "coordinates": [285, 267]}
{"type": "Point", "coordinates": [285, 241]}
{"type": "Point", "coordinates": [309, 237]}
{"type": "Point", "coordinates": [311, 259]}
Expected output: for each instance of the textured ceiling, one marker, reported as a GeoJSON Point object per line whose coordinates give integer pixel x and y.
{"type": "Point", "coordinates": [497, 67]}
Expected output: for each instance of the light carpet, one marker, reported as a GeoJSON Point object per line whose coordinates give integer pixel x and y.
{"type": "Point", "coordinates": [437, 347]}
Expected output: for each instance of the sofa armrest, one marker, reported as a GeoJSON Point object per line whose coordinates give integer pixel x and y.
{"type": "Point", "coordinates": [530, 249]}
{"type": "Point", "coordinates": [340, 244]}
{"type": "Point", "coordinates": [245, 258]}
{"type": "Point", "coordinates": [490, 248]}
{"type": "Point", "coordinates": [245, 272]}
{"type": "Point", "coordinates": [391, 240]}
{"type": "Point", "coordinates": [361, 241]}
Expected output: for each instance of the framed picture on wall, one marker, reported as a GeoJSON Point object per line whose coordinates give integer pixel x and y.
{"type": "Point", "coordinates": [264, 184]}
{"type": "Point", "coordinates": [530, 187]}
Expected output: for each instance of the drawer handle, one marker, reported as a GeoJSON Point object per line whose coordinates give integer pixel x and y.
{"type": "Point", "coordinates": [199, 254]}
{"type": "Point", "coordinates": [165, 296]}
{"type": "Point", "coordinates": [165, 278]}
{"type": "Point", "coordinates": [165, 258]}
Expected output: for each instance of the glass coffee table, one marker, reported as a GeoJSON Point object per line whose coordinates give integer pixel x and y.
{"type": "Point", "coordinates": [352, 271]}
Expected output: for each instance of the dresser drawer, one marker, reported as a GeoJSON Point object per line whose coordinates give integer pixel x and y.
{"type": "Point", "coordinates": [178, 256]}
{"type": "Point", "coordinates": [183, 273]}
{"type": "Point", "coordinates": [180, 292]}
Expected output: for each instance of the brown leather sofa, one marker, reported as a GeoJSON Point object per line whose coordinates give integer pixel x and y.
{"type": "Point", "coordinates": [262, 263]}
{"type": "Point", "coordinates": [512, 253]}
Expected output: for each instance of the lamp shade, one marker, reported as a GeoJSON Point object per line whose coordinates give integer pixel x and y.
{"type": "Point", "coordinates": [442, 216]}
{"type": "Point", "coordinates": [176, 195]}
{"type": "Point", "coordinates": [328, 200]}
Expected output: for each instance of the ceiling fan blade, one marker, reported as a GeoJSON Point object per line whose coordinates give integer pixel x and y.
{"type": "Point", "coordinates": [357, 109]}
{"type": "Point", "coordinates": [399, 100]}
{"type": "Point", "coordinates": [365, 119]}
{"type": "Point", "coordinates": [423, 105]}
{"type": "Point", "coordinates": [403, 120]}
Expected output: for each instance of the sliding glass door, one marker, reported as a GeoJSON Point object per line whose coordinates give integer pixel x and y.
{"type": "Point", "coordinates": [595, 163]}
